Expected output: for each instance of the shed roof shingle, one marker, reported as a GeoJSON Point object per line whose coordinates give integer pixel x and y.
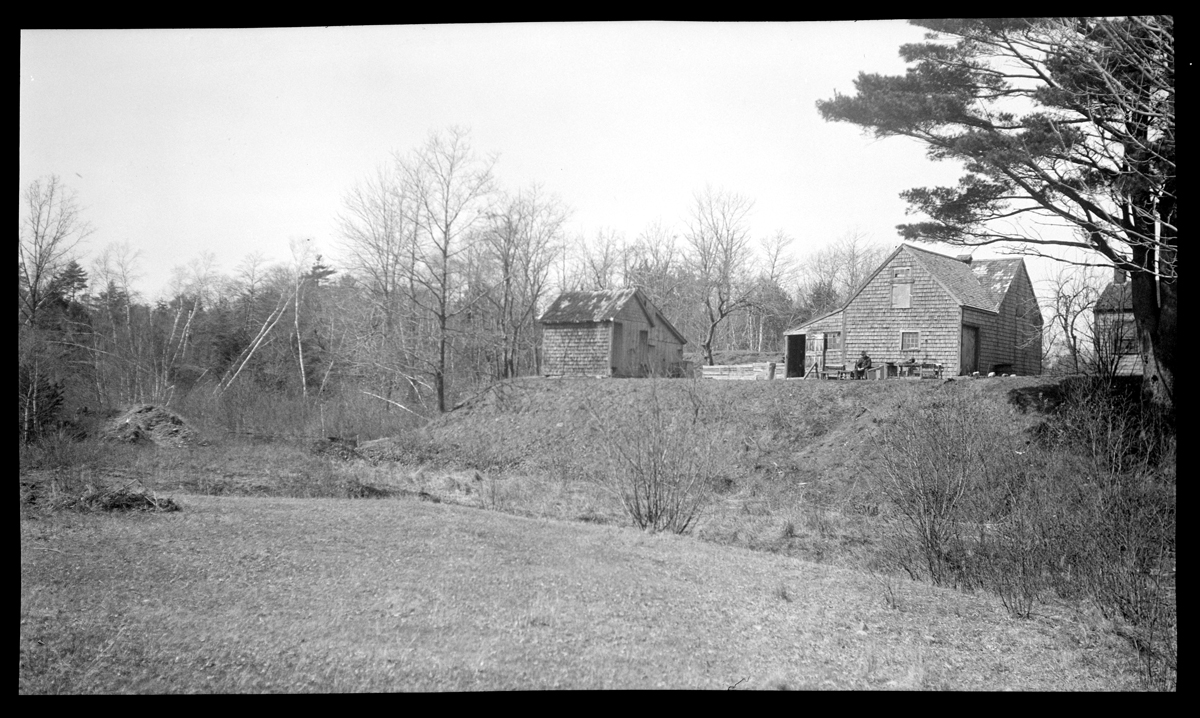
{"type": "Point", "coordinates": [584, 307]}
{"type": "Point", "coordinates": [604, 306]}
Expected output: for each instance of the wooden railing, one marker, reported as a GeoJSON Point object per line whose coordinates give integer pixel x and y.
{"type": "Point", "coordinates": [740, 372]}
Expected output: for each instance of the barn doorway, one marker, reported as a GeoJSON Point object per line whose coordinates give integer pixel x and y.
{"type": "Point", "coordinates": [968, 361]}
{"type": "Point", "coordinates": [617, 353]}
{"type": "Point", "coordinates": [795, 355]}
{"type": "Point", "coordinates": [643, 353]}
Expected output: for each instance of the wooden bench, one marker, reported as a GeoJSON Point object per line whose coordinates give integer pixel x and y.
{"type": "Point", "coordinates": [915, 371]}
{"type": "Point", "coordinates": [835, 371]}
{"type": "Point", "coordinates": [931, 371]}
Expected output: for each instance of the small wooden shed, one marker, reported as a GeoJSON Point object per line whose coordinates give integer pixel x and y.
{"type": "Point", "coordinates": [966, 315]}
{"type": "Point", "coordinates": [615, 332]}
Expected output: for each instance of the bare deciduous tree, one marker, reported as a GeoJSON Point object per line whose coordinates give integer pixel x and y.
{"type": "Point", "coordinates": [772, 310]}
{"type": "Point", "coordinates": [1072, 295]}
{"type": "Point", "coordinates": [831, 275]}
{"type": "Point", "coordinates": [51, 231]}
{"type": "Point", "coordinates": [603, 260]}
{"type": "Point", "coordinates": [522, 243]}
{"type": "Point", "coordinates": [450, 187]}
{"type": "Point", "coordinates": [719, 256]}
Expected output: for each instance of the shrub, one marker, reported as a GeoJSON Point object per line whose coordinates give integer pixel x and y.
{"type": "Point", "coordinates": [1114, 534]}
{"type": "Point", "coordinates": [1087, 512]}
{"type": "Point", "coordinates": [663, 462]}
{"type": "Point", "coordinates": [936, 462]}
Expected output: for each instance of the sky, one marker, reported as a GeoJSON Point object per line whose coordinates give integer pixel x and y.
{"type": "Point", "coordinates": [234, 141]}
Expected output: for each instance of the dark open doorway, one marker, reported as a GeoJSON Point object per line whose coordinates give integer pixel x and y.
{"type": "Point", "coordinates": [969, 355]}
{"type": "Point", "coordinates": [795, 355]}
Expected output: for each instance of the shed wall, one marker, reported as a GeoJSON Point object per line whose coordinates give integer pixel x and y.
{"type": "Point", "coordinates": [576, 349]}
{"type": "Point", "coordinates": [662, 348]}
{"type": "Point", "coordinates": [826, 325]}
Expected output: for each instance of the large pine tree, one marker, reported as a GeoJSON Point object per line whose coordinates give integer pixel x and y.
{"type": "Point", "coordinates": [1066, 120]}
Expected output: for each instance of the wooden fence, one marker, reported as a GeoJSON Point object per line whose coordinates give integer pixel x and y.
{"type": "Point", "coordinates": [740, 372]}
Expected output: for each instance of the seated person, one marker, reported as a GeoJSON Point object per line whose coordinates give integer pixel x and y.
{"type": "Point", "coordinates": [862, 365]}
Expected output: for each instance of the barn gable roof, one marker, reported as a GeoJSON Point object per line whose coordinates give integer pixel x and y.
{"type": "Point", "coordinates": [982, 283]}
{"type": "Point", "coordinates": [603, 306]}
{"type": "Point", "coordinates": [997, 275]}
{"type": "Point", "coordinates": [963, 280]}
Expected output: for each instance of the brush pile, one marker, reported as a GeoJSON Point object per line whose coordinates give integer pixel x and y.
{"type": "Point", "coordinates": [105, 498]}
{"type": "Point", "coordinates": [147, 423]}
{"type": "Point", "coordinates": [337, 448]}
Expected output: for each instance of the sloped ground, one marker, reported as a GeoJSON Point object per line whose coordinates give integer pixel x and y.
{"type": "Point", "coordinates": [801, 451]}
{"type": "Point", "coordinates": [291, 595]}
{"type": "Point", "coordinates": [801, 431]}
{"type": "Point", "coordinates": [326, 595]}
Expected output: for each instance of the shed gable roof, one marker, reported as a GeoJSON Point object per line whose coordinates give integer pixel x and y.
{"type": "Point", "coordinates": [603, 306]}
{"type": "Point", "coordinates": [587, 307]}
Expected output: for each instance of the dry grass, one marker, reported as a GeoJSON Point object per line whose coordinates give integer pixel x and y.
{"type": "Point", "coordinates": [287, 595]}
{"type": "Point", "coordinates": [796, 490]}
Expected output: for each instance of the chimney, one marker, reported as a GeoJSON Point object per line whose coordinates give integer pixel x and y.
{"type": "Point", "coordinates": [964, 258]}
{"type": "Point", "coordinates": [1118, 275]}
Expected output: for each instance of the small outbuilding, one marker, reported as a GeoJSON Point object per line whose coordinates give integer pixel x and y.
{"type": "Point", "coordinates": [961, 314]}
{"type": "Point", "coordinates": [1116, 333]}
{"type": "Point", "coordinates": [616, 332]}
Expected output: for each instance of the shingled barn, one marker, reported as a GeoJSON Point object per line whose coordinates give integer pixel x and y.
{"type": "Point", "coordinates": [960, 314]}
{"type": "Point", "coordinates": [609, 333]}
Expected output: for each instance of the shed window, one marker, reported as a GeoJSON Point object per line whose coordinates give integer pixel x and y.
{"type": "Point", "coordinates": [910, 341]}
{"type": "Point", "coordinates": [902, 295]}
{"type": "Point", "coordinates": [902, 272]}
{"type": "Point", "coordinates": [833, 340]}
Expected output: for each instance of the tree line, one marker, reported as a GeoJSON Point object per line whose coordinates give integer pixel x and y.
{"type": "Point", "coordinates": [438, 273]}
{"type": "Point", "coordinates": [432, 288]}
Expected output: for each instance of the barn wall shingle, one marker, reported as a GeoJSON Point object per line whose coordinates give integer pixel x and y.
{"type": "Point", "coordinates": [945, 294]}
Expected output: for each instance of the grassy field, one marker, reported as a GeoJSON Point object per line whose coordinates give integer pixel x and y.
{"type": "Point", "coordinates": [323, 595]}
{"type": "Point", "coordinates": [497, 559]}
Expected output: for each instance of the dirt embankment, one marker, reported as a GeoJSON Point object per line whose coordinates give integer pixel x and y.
{"type": "Point", "coordinates": [803, 429]}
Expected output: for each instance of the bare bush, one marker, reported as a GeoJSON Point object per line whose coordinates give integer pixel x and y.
{"type": "Point", "coordinates": [663, 462]}
{"type": "Point", "coordinates": [1086, 513]}
{"type": "Point", "coordinates": [936, 460]}
{"type": "Point", "coordinates": [1115, 524]}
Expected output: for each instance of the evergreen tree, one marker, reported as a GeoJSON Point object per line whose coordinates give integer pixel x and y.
{"type": "Point", "coordinates": [1063, 120]}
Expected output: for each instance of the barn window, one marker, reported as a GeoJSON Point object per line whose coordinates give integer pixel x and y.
{"type": "Point", "coordinates": [910, 341]}
{"type": "Point", "coordinates": [902, 295]}
{"type": "Point", "coordinates": [833, 340]}
{"type": "Point", "coordinates": [901, 272]}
